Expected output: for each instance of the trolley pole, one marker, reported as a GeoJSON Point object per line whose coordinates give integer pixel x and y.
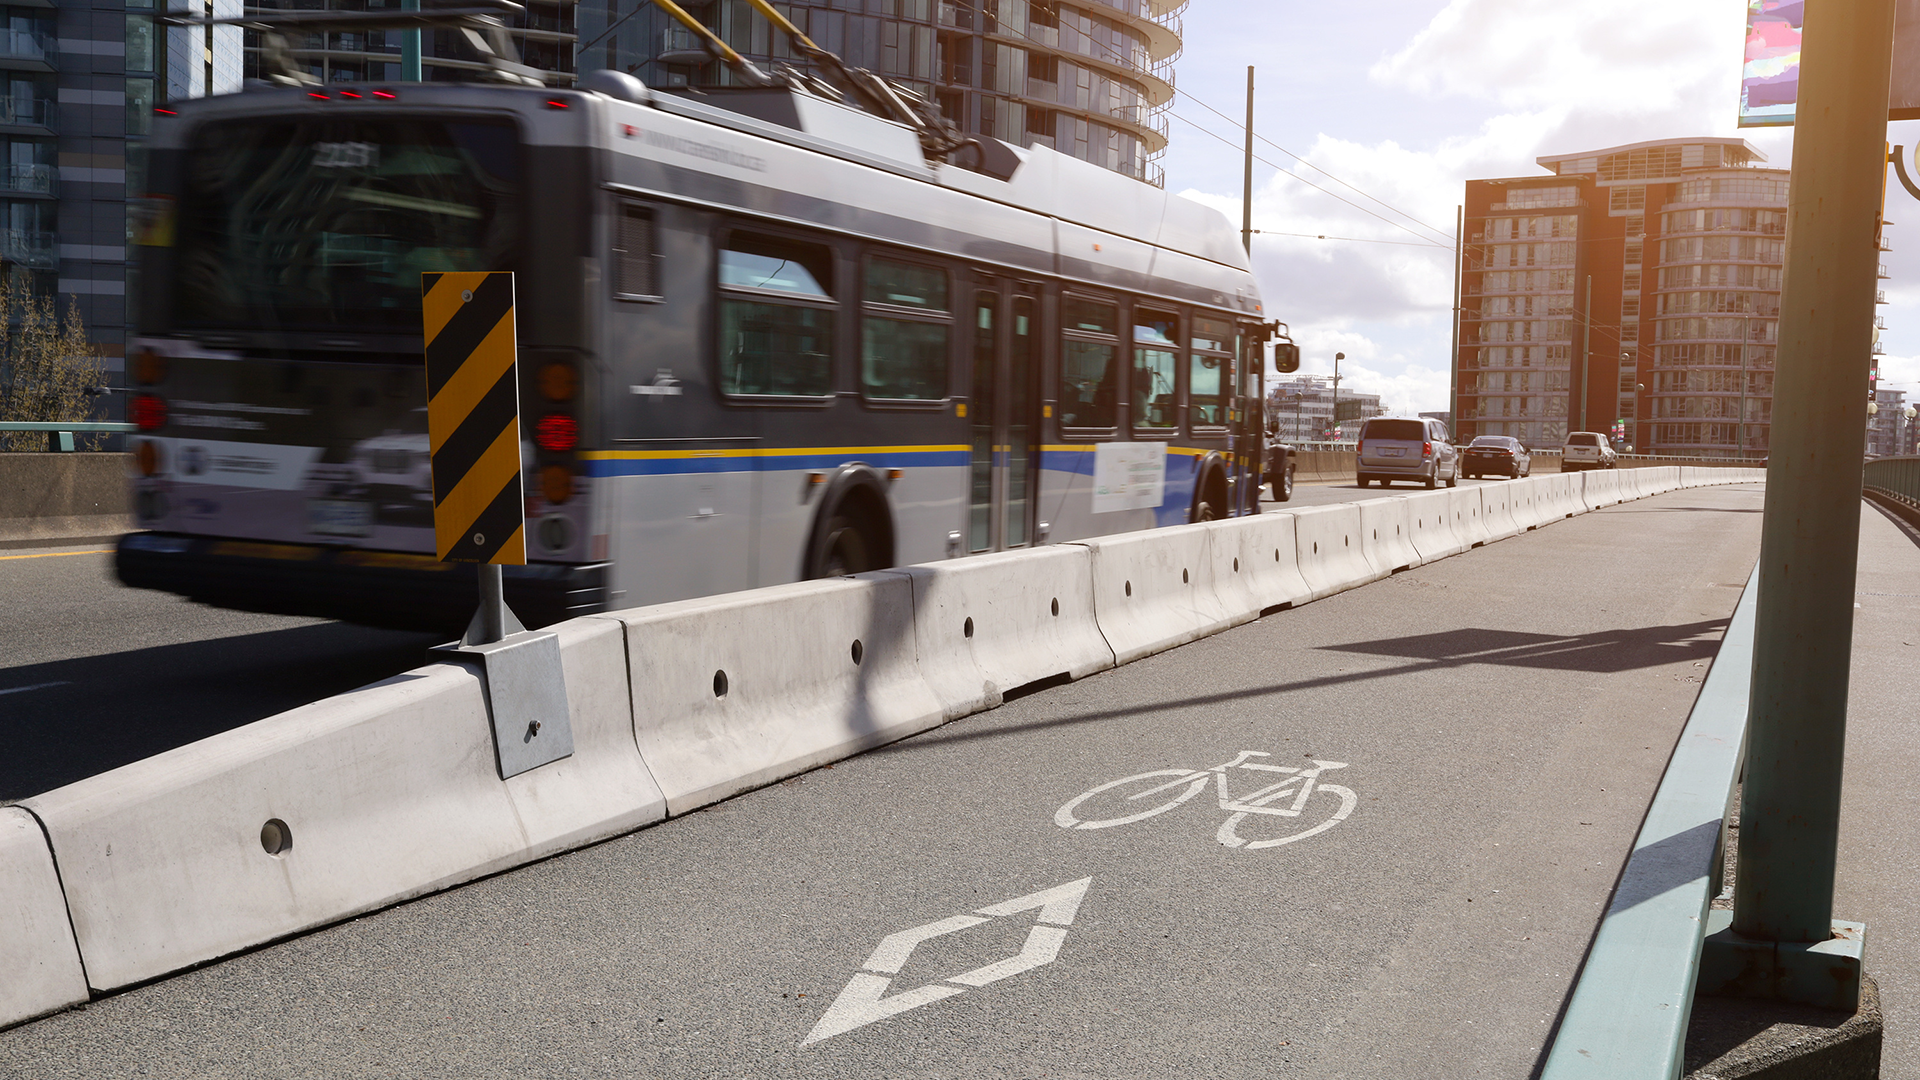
{"type": "Point", "coordinates": [1783, 941]}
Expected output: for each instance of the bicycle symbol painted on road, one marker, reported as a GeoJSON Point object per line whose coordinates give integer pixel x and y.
{"type": "Point", "coordinates": [1114, 803]}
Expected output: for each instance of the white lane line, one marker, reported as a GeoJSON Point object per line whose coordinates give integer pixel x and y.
{"type": "Point", "coordinates": [35, 686]}
{"type": "Point", "coordinates": [864, 1000]}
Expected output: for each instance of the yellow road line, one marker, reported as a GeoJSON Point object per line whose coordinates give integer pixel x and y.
{"type": "Point", "coordinates": [57, 554]}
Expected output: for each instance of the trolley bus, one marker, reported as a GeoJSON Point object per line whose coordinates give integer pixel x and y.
{"type": "Point", "coordinates": [762, 338]}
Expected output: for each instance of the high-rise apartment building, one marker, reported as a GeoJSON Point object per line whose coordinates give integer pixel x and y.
{"type": "Point", "coordinates": [1635, 292]}
{"type": "Point", "coordinates": [1088, 78]}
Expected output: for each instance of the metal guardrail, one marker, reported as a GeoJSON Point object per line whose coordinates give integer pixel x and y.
{"type": "Point", "coordinates": [1628, 1016]}
{"type": "Point", "coordinates": [60, 433]}
{"type": "Point", "coordinates": [1897, 478]}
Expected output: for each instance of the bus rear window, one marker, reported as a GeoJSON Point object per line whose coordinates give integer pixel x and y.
{"type": "Point", "coordinates": [329, 223]}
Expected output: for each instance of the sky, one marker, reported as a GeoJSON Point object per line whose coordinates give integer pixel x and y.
{"type": "Point", "coordinates": [1405, 100]}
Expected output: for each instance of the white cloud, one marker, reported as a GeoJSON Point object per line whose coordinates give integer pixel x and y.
{"type": "Point", "coordinates": [1523, 78]}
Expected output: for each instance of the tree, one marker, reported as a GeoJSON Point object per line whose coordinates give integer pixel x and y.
{"type": "Point", "coordinates": [47, 365]}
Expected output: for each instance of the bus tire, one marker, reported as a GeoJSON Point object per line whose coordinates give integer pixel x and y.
{"type": "Point", "coordinates": [853, 532]}
{"type": "Point", "coordinates": [1210, 500]}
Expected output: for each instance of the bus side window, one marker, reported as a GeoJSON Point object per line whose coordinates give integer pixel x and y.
{"type": "Point", "coordinates": [632, 271]}
{"type": "Point", "coordinates": [904, 332]}
{"type": "Point", "coordinates": [1156, 335]}
{"type": "Point", "coordinates": [776, 317]}
{"type": "Point", "coordinates": [1210, 371]}
{"type": "Point", "coordinates": [1089, 364]}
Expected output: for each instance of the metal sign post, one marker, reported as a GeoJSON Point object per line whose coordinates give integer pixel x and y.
{"type": "Point", "coordinates": [479, 510]}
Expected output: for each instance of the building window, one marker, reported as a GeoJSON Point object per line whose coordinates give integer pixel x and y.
{"type": "Point", "coordinates": [139, 106]}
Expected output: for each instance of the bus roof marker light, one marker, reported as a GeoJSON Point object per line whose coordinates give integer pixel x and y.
{"type": "Point", "coordinates": [350, 94]}
{"type": "Point", "coordinates": [158, 111]}
{"type": "Point", "coordinates": [556, 103]}
{"type": "Point", "coordinates": [317, 94]}
{"type": "Point", "coordinates": [387, 95]}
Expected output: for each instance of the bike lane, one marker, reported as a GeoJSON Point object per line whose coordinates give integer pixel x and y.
{"type": "Point", "coordinates": [1501, 719]}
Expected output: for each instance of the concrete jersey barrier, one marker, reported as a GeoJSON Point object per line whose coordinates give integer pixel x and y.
{"type": "Point", "coordinates": [1327, 540]}
{"type": "Point", "coordinates": [1386, 535]}
{"type": "Point", "coordinates": [1266, 546]}
{"type": "Point", "coordinates": [734, 692]}
{"type": "Point", "coordinates": [1496, 509]}
{"type": "Point", "coordinates": [989, 624]}
{"type": "Point", "coordinates": [371, 797]}
{"type": "Point", "coordinates": [1433, 533]}
{"type": "Point", "coordinates": [1158, 589]}
{"type": "Point", "coordinates": [1469, 523]}
{"type": "Point", "coordinates": [39, 962]}
{"type": "Point", "coordinates": [1529, 502]}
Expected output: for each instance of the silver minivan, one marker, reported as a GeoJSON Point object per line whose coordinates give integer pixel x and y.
{"type": "Point", "coordinates": [1407, 448]}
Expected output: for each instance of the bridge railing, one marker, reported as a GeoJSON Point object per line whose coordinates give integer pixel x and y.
{"type": "Point", "coordinates": [60, 433]}
{"type": "Point", "coordinates": [1895, 480]}
{"type": "Point", "coordinates": [1629, 1011]}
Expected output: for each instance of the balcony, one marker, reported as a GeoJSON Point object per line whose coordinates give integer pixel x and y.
{"type": "Point", "coordinates": [27, 112]}
{"type": "Point", "coordinates": [29, 179]}
{"type": "Point", "coordinates": [26, 49]}
{"type": "Point", "coordinates": [35, 250]}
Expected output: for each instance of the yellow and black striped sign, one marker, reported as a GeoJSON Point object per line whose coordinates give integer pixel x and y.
{"type": "Point", "coordinates": [473, 418]}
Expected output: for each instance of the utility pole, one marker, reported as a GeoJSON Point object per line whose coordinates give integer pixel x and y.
{"type": "Point", "coordinates": [1246, 175]}
{"type": "Point", "coordinates": [1586, 352]}
{"type": "Point", "coordinates": [1810, 534]}
{"type": "Point", "coordinates": [1453, 384]}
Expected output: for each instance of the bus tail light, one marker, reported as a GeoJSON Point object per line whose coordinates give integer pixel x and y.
{"type": "Point", "coordinates": [556, 433]}
{"type": "Point", "coordinates": [557, 381]}
{"type": "Point", "coordinates": [149, 367]}
{"type": "Point", "coordinates": [147, 457]}
{"type": "Point", "coordinates": [149, 412]}
{"type": "Point", "coordinates": [556, 484]}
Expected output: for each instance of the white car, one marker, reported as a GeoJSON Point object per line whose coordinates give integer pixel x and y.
{"type": "Point", "coordinates": [1587, 450]}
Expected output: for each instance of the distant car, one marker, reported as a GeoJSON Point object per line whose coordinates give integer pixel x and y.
{"type": "Point", "coordinates": [1587, 450]}
{"type": "Point", "coordinates": [1406, 448]}
{"type": "Point", "coordinates": [1496, 455]}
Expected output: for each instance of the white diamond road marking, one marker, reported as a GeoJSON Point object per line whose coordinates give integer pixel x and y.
{"type": "Point", "coordinates": [865, 998]}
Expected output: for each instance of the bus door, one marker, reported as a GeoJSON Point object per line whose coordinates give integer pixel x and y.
{"type": "Point", "coordinates": [1248, 433]}
{"type": "Point", "coordinates": [1002, 418]}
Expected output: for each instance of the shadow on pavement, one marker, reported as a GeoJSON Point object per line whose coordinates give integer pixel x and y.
{"type": "Point", "coordinates": [1606, 651]}
{"type": "Point", "coordinates": [70, 719]}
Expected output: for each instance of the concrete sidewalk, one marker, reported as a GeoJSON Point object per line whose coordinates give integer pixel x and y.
{"type": "Point", "coordinates": [1879, 870]}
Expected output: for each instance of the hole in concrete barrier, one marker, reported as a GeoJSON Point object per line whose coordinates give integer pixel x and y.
{"type": "Point", "coordinates": [1183, 576]}
{"type": "Point", "coordinates": [1346, 541]}
{"type": "Point", "coordinates": [1376, 534]}
{"type": "Point", "coordinates": [1276, 554]}
{"type": "Point", "coordinates": [859, 650]}
{"type": "Point", "coordinates": [1056, 606]}
{"type": "Point", "coordinates": [275, 837]}
{"type": "Point", "coordinates": [1316, 547]}
{"type": "Point", "coordinates": [719, 684]}
{"type": "Point", "coordinates": [966, 628]}
{"type": "Point", "coordinates": [1129, 588]}
{"type": "Point", "coordinates": [1236, 566]}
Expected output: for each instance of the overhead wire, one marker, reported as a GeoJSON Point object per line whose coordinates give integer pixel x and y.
{"type": "Point", "coordinates": [1123, 60]}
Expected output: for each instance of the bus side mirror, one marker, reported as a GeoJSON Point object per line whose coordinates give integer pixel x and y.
{"type": "Point", "coordinates": [1286, 356]}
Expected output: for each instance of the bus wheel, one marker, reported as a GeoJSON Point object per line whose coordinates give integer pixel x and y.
{"type": "Point", "coordinates": [846, 550]}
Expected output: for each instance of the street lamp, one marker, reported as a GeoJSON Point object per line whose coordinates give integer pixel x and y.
{"type": "Point", "coordinates": [1337, 357]}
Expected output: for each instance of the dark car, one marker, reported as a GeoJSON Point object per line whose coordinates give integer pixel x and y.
{"type": "Point", "coordinates": [1496, 455]}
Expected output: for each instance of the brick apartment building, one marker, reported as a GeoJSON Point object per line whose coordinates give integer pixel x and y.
{"type": "Point", "coordinates": [1635, 291]}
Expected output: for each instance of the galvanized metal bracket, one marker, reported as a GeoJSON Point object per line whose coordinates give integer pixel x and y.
{"type": "Point", "coordinates": [1825, 974]}
{"type": "Point", "coordinates": [526, 695]}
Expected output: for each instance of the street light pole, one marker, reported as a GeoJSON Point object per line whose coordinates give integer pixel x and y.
{"type": "Point", "coordinates": [1810, 533]}
{"type": "Point", "coordinates": [1337, 357]}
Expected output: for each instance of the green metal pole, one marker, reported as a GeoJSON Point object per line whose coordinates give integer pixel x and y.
{"type": "Point", "coordinates": [410, 47]}
{"type": "Point", "coordinates": [1790, 807]}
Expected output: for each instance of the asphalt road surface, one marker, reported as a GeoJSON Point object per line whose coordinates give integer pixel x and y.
{"type": "Point", "coordinates": [1499, 721]}
{"type": "Point", "coordinates": [94, 675]}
